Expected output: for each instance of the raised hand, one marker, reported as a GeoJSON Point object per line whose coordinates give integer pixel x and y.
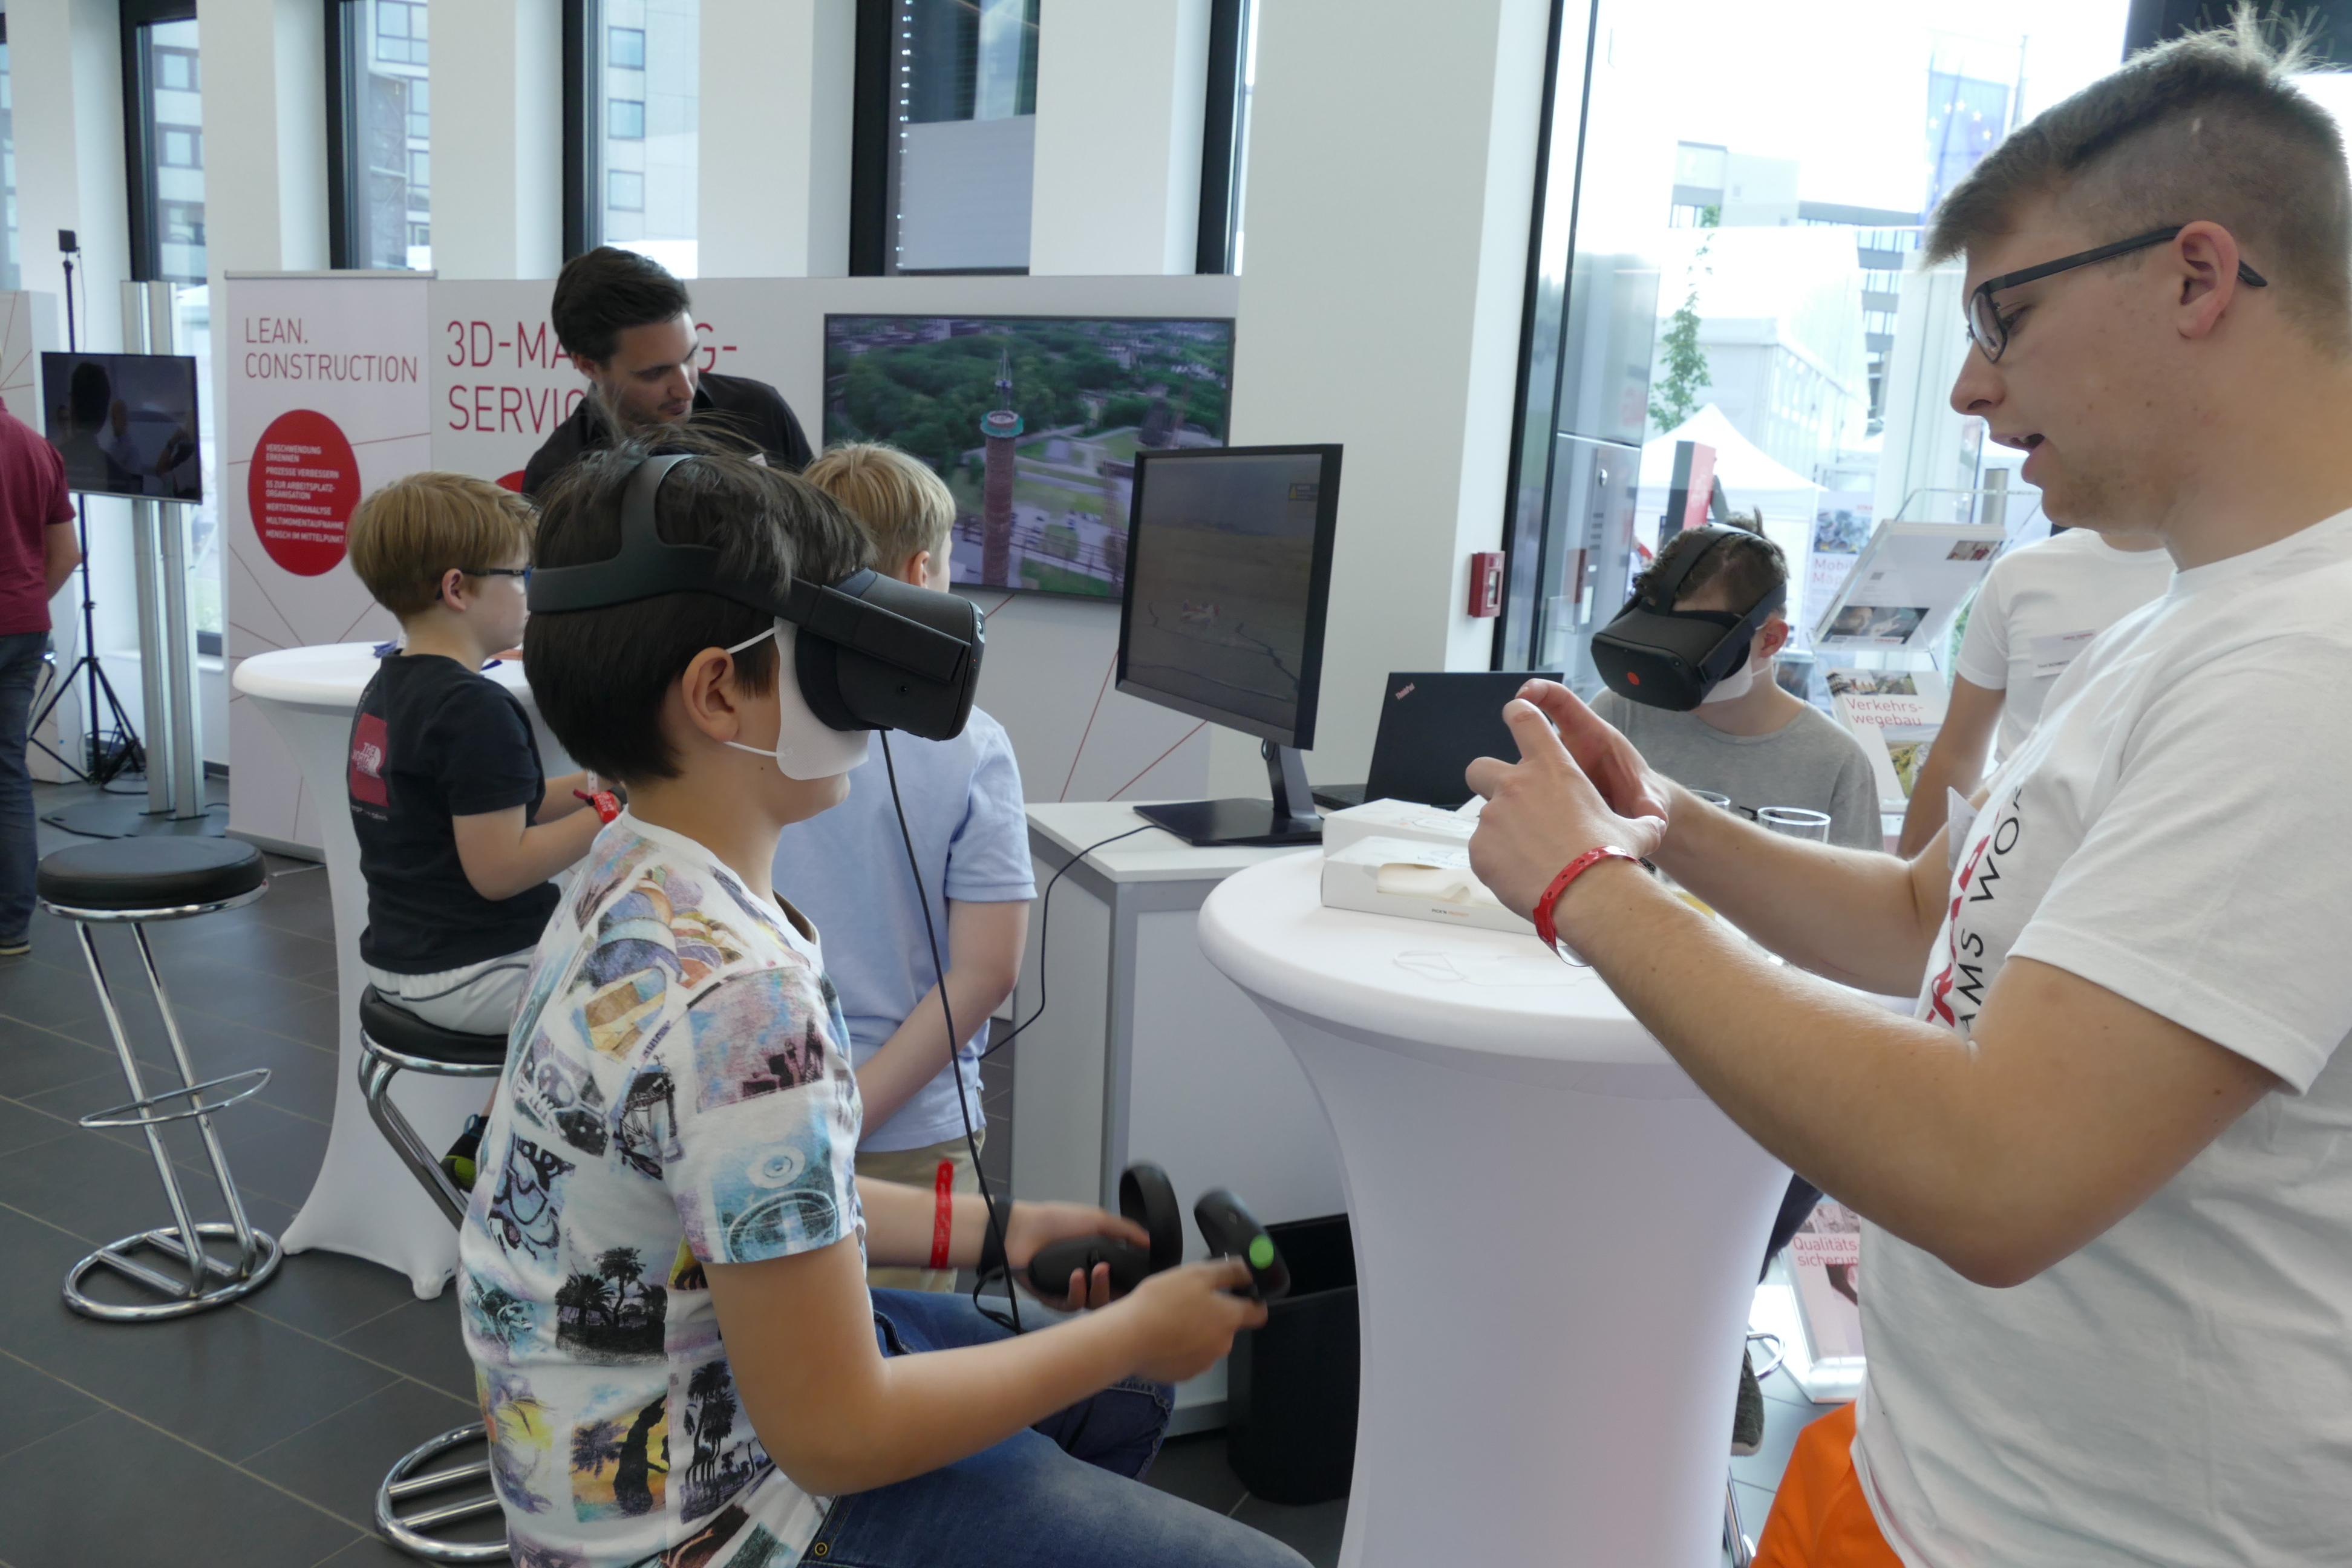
{"type": "Point", "coordinates": [1544, 810]}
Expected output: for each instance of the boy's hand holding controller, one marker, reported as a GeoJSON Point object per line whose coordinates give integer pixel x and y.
{"type": "Point", "coordinates": [1186, 1318]}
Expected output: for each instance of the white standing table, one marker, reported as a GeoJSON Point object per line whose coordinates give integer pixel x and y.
{"type": "Point", "coordinates": [364, 1202]}
{"type": "Point", "coordinates": [1557, 1236]}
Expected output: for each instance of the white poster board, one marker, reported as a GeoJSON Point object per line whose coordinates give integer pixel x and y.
{"type": "Point", "coordinates": [1909, 581]}
{"type": "Point", "coordinates": [324, 398]}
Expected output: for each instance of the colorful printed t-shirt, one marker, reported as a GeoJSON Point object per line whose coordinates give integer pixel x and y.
{"type": "Point", "coordinates": [677, 1094]}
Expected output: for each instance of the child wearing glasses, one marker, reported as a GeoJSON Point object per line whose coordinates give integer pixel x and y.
{"type": "Point", "coordinates": [458, 827]}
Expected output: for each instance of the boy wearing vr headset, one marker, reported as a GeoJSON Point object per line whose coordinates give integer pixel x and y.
{"type": "Point", "coordinates": [670, 1233]}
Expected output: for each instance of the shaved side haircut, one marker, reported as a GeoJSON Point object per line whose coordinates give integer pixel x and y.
{"type": "Point", "coordinates": [2208, 127]}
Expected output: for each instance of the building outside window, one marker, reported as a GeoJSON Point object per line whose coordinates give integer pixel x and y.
{"type": "Point", "coordinates": [963, 135]}
{"type": "Point", "coordinates": [385, 102]}
{"type": "Point", "coordinates": [642, 122]}
{"type": "Point", "coordinates": [1742, 269]}
{"type": "Point", "coordinates": [174, 180]}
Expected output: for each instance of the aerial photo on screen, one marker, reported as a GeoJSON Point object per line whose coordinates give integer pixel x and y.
{"type": "Point", "coordinates": [1225, 570]}
{"type": "Point", "coordinates": [1034, 422]}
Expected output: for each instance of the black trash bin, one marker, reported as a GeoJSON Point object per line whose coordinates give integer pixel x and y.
{"type": "Point", "coordinates": [1290, 1390]}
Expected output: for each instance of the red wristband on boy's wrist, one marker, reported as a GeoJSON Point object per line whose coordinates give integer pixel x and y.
{"type": "Point", "coordinates": [943, 1215]}
{"type": "Point", "coordinates": [1570, 873]}
{"type": "Point", "coordinates": [603, 803]}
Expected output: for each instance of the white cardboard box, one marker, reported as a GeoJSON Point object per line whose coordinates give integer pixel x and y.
{"type": "Point", "coordinates": [1414, 880]}
{"type": "Point", "coordinates": [1396, 819]}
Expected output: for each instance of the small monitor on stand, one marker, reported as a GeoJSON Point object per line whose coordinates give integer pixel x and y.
{"type": "Point", "coordinates": [1228, 577]}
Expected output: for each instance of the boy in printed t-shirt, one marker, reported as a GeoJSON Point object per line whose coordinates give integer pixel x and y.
{"type": "Point", "coordinates": [458, 829]}
{"type": "Point", "coordinates": [661, 1274]}
{"type": "Point", "coordinates": [848, 870]}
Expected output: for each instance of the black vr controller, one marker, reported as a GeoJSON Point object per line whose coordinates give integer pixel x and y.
{"type": "Point", "coordinates": [1148, 1198]}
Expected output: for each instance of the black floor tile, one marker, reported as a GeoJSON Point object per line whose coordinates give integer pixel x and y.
{"type": "Point", "coordinates": [421, 1338]}
{"type": "Point", "coordinates": [33, 1060]}
{"type": "Point", "coordinates": [38, 1406]}
{"type": "Point", "coordinates": [23, 1126]}
{"type": "Point", "coordinates": [51, 996]}
{"type": "Point", "coordinates": [339, 1462]}
{"type": "Point", "coordinates": [327, 1293]}
{"type": "Point", "coordinates": [1313, 1532]}
{"type": "Point", "coordinates": [1194, 1467]}
{"type": "Point", "coordinates": [122, 1492]}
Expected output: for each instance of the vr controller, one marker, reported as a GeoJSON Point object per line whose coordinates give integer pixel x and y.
{"type": "Point", "coordinates": [1147, 1198]}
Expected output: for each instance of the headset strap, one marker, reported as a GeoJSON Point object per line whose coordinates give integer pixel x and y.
{"type": "Point", "coordinates": [1662, 592]}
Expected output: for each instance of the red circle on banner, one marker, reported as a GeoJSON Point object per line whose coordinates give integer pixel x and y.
{"type": "Point", "coordinates": [303, 484]}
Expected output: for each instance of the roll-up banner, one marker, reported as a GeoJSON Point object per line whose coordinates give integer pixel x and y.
{"type": "Point", "coordinates": [325, 393]}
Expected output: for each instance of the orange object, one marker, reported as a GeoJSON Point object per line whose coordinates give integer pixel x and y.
{"type": "Point", "coordinates": [1820, 1518]}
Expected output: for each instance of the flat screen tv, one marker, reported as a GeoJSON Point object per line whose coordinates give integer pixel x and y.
{"type": "Point", "coordinates": [1034, 422]}
{"type": "Point", "coordinates": [125, 423]}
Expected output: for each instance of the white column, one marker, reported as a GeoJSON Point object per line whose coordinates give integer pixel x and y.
{"type": "Point", "coordinates": [774, 150]}
{"type": "Point", "coordinates": [1121, 94]}
{"type": "Point", "coordinates": [65, 68]}
{"type": "Point", "coordinates": [498, 138]}
{"type": "Point", "coordinates": [265, 93]}
{"type": "Point", "coordinates": [1392, 176]}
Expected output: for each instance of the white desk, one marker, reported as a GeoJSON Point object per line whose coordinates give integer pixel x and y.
{"type": "Point", "coordinates": [1556, 1235]}
{"type": "Point", "coordinates": [364, 1202]}
{"type": "Point", "coordinates": [1145, 1052]}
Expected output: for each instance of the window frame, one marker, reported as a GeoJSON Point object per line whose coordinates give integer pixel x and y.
{"type": "Point", "coordinates": [1223, 135]}
{"type": "Point", "coordinates": [139, 150]}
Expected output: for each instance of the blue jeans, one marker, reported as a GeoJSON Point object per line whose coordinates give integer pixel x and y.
{"type": "Point", "coordinates": [20, 667]}
{"type": "Point", "coordinates": [1060, 1495]}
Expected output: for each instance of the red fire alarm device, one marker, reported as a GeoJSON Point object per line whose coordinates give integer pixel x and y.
{"type": "Point", "coordinates": [1486, 583]}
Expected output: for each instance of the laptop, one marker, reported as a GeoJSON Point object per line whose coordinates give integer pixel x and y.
{"type": "Point", "coordinates": [1433, 723]}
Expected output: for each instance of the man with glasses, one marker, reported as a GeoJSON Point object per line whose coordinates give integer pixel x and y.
{"type": "Point", "coordinates": [2106, 1275]}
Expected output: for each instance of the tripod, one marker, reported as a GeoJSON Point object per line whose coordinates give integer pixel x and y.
{"type": "Point", "coordinates": [115, 750]}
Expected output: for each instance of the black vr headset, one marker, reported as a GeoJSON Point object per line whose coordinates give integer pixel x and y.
{"type": "Point", "coordinates": [874, 653]}
{"type": "Point", "coordinates": [1664, 657]}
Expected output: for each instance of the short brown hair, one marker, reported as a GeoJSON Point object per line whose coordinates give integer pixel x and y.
{"type": "Point", "coordinates": [1743, 570]}
{"type": "Point", "coordinates": [600, 677]}
{"type": "Point", "coordinates": [405, 536]}
{"type": "Point", "coordinates": [903, 507]}
{"type": "Point", "coordinates": [2207, 127]}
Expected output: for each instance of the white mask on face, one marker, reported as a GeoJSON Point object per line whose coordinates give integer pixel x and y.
{"type": "Point", "coordinates": [807, 746]}
{"type": "Point", "coordinates": [1735, 685]}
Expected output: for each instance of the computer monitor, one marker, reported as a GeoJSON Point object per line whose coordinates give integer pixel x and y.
{"type": "Point", "coordinates": [1228, 578]}
{"type": "Point", "coordinates": [126, 424]}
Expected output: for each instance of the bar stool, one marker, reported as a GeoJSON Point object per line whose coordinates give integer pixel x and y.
{"type": "Point", "coordinates": [134, 882]}
{"type": "Point", "coordinates": [393, 1039]}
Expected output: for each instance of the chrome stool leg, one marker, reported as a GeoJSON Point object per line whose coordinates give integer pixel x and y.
{"type": "Point", "coordinates": [1735, 1540]}
{"type": "Point", "coordinates": [210, 1282]}
{"type": "Point", "coordinates": [405, 1483]}
{"type": "Point", "coordinates": [377, 1068]}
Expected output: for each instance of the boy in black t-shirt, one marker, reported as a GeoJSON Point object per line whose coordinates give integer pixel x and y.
{"type": "Point", "coordinates": [458, 829]}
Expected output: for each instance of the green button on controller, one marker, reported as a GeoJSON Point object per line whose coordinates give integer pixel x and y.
{"type": "Point", "coordinates": [1260, 1252]}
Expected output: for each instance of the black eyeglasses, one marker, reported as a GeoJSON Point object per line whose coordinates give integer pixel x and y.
{"type": "Point", "coordinates": [521, 572]}
{"type": "Point", "coordinates": [1991, 333]}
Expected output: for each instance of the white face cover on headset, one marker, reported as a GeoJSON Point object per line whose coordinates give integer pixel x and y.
{"type": "Point", "coordinates": [1736, 685]}
{"type": "Point", "coordinates": [807, 746]}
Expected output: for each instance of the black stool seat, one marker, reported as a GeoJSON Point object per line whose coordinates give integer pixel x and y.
{"type": "Point", "coordinates": [156, 873]}
{"type": "Point", "coordinates": [396, 1028]}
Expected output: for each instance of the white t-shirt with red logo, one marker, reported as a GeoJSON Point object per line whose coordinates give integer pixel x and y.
{"type": "Point", "coordinates": [2179, 830]}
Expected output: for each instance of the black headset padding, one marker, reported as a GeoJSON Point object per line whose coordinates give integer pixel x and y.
{"type": "Point", "coordinates": [1148, 1197]}
{"type": "Point", "coordinates": [1661, 593]}
{"type": "Point", "coordinates": [648, 566]}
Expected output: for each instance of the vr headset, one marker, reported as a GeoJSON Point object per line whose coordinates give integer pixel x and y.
{"type": "Point", "coordinates": [1664, 657]}
{"type": "Point", "coordinates": [870, 652]}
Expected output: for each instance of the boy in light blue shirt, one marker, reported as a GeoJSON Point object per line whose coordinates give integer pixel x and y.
{"type": "Point", "coordinates": [848, 871]}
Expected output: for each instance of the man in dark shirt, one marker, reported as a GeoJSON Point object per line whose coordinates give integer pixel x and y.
{"type": "Point", "coordinates": [37, 552]}
{"type": "Point", "coordinates": [627, 326]}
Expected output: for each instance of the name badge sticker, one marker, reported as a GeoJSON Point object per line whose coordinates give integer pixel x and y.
{"type": "Point", "coordinates": [2053, 654]}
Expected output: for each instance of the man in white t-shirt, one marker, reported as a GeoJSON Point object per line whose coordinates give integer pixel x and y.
{"type": "Point", "coordinates": [2106, 1169]}
{"type": "Point", "coordinates": [2041, 607]}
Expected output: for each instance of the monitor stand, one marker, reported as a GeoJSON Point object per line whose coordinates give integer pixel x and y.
{"type": "Point", "coordinates": [1289, 819]}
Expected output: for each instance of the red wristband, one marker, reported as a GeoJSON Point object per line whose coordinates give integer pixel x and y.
{"type": "Point", "coordinates": [603, 803]}
{"type": "Point", "coordinates": [943, 1217]}
{"type": "Point", "coordinates": [1570, 873]}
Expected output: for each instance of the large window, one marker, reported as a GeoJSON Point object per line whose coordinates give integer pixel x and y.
{"type": "Point", "coordinates": [1224, 132]}
{"type": "Point", "coordinates": [165, 122]}
{"type": "Point", "coordinates": [10, 271]}
{"type": "Point", "coordinates": [380, 110]}
{"type": "Point", "coordinates": [947, 135]}
{"type": "Point", "coordinates": [1728, 229]}
{"type": "Point", "coordinates": [633, 116]}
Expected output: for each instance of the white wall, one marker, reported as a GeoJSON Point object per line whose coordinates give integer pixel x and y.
{"type": "Point", "coordinates": [774, 172]}
{"type": "Point", "coordinates": [1120, 95]}
{"type": "Point", "coordinates": [498, 138]}
{"type": "Point", "coordinates": [1392, 174]}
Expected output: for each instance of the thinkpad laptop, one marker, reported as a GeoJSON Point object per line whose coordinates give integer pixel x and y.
{"type": "Point", "coordinates": [1433, 723]}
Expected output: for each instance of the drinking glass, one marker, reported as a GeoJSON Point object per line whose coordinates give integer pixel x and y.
{"type": "Point", "coordinates": [1796, 822]}
{"type": "Point", "coordinates": [1720, 802]}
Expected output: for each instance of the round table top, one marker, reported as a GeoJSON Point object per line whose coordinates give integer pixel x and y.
{"type": "Point", "coordinates": [1453, 988]}
{"type": "Point", "coordinates": [332, 675]}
